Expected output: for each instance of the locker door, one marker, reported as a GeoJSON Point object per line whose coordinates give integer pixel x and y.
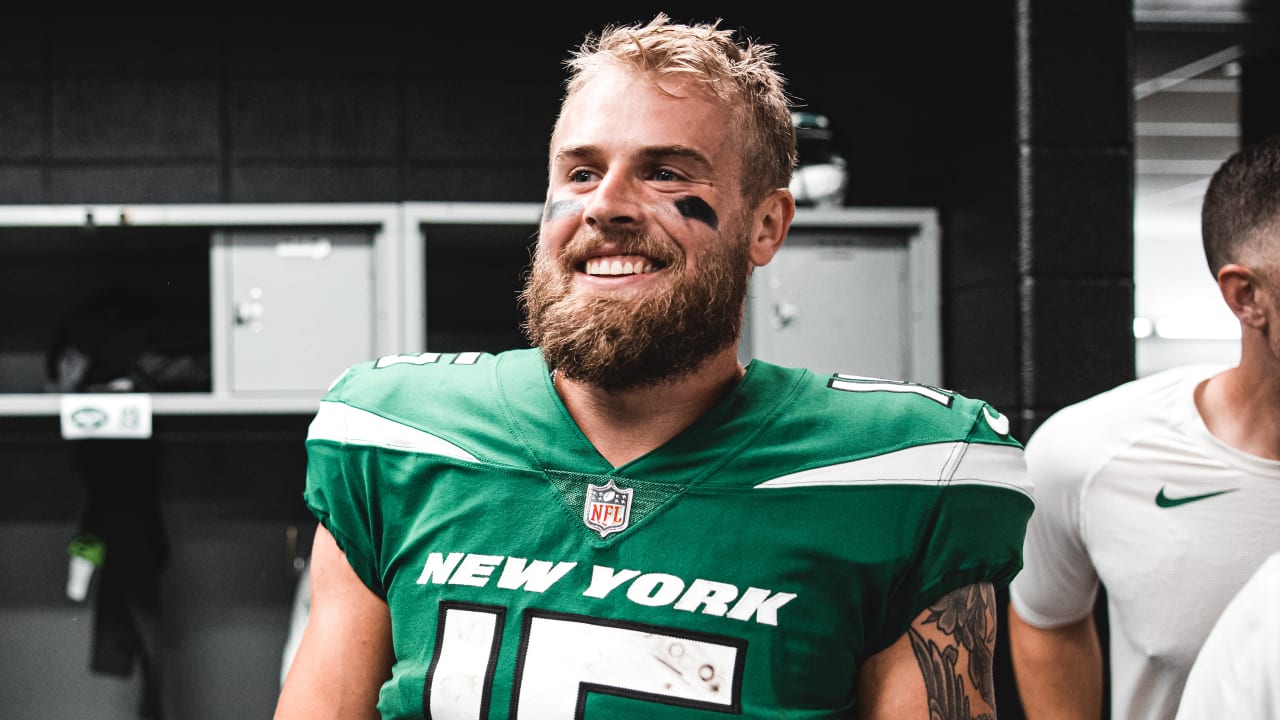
{"type": "Point", "coordinates": [302, 308]}
{"type": "Point", "coordinates": [834, 302]}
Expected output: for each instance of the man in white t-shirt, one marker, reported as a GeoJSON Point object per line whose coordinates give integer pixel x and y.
{"type": "Point", "coordinates": [1237, 673]}
{"type": "Point", "coordinates": [1165, 491]}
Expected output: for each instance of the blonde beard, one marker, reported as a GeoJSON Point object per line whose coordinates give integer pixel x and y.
{"type": "Point", "coordinates": [617, 342]}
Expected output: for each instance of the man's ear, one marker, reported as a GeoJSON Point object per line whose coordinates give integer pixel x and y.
{"type": "Point", "coordinates": [1240, 289]}
{"type": "Point", "coordinates": [772, 222]}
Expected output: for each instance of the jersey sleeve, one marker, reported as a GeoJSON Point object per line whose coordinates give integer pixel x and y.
{"type": "Point", "coordinates": [980, 518]}
{"type": "Point", "coordinates": [1058, 583]}
{"type": "Point", "coordinates": [338, 485]}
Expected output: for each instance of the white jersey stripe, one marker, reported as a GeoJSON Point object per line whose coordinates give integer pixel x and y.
{"type": "Point", "coordinates": [342, 423]}
{"type": "Point", "coordinates": [994, 465]}
{"type": "Point", "coordinates": [974, 463]}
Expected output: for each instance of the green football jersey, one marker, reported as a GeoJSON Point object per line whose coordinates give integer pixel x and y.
{"type": "Point", "coordinates": [746, 567]}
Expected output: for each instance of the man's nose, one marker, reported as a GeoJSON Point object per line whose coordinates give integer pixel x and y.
{"type": "Point", "coordinates": [617, 200]}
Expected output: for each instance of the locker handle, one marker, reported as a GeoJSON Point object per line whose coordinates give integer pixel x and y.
{"type": "Point", "coordinates": [784, 313]}
{"type": "Point", "coordinates": [247, 312]}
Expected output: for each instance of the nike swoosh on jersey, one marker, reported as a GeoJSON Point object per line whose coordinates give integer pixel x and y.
{"type": "Point", "coordinates": [1165, 501]}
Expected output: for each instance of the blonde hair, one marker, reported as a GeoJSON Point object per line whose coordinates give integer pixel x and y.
{"type": "Point", "coordinates": [737, 72]}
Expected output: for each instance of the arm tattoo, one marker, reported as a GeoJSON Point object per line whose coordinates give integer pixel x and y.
{"type": "Point", "coordinates": [966, 625]}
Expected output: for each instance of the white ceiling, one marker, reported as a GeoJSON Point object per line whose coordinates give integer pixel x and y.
{"type": "Point", "coordinates": [1186, 122]}
{"type": "Point", "coordinates": [1186, 97]}
{"type": "Point", "coordinates": [1190, 10]}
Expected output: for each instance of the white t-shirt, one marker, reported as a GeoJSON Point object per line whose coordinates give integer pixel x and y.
{"type": "Point", "coordinates": [1237, 674]}
{"type": "Point", "coordinates": [1132, 491]}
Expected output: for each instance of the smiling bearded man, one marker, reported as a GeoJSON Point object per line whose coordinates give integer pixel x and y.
{"type": "Point", "coordinates": [495, 541]}
{"type": "Point", "coordinates": [618, 341]}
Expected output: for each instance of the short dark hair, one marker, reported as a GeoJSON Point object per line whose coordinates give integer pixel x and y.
{"type": "Point", "coordinates": [1241, 203]}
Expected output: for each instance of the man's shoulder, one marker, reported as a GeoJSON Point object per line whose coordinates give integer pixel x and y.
{"type": "Point", "coordinates": [397, 369]}
{"type": "Point", "coordinates": [891, 412]}
{"type": "Point", "coordinates": [446, 403]}
{"type": "Point", "coordinates": [1087, 432]}
{"type": "Point", "coordinates": [1158, 395]}
{"type": "Point", "coordinates": [903, 397]}
{"type": "Point", "coordinates": [402, 378]}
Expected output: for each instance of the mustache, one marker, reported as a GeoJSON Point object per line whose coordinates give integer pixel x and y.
{"type": "Point", "coordinates": [620, 242]}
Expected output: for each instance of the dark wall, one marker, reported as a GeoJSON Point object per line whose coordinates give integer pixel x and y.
{"type": "Point", "coordinates": [1001, 117]}
{"type": "Point", "coordinates": [362, 111]}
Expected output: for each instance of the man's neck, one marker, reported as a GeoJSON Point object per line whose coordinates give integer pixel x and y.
{"type": "Point", "coordinates": [1241, 407]}
{"type": "Point", "coordinates": [624, 425]}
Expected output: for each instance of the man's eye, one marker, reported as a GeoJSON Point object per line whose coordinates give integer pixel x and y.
{"type": "Point", "coordinates": [665, 175]}
{"type": "Point", "coordinates": [581, 176]}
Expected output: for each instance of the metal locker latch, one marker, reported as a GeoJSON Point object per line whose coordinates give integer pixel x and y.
{"type": "Point", "coordinates": [783, 314]}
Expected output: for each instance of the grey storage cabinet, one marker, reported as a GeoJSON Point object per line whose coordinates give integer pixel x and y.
{"type": "Point", "coordinates": [292, 308]}
{"type": "Point", "coordinates": [852, 291]}
{"type": "Point", "coordinates": [289, 295]}
{"type": "Point", "coordinates": [295, 293]}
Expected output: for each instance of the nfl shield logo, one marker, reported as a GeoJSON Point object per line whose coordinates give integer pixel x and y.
{"type": "Point", "coordinates": [608, 508]}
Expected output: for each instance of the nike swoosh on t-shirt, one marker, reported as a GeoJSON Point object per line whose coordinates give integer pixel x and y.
{"type": "Point", "coordinates": [1165, 501]}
